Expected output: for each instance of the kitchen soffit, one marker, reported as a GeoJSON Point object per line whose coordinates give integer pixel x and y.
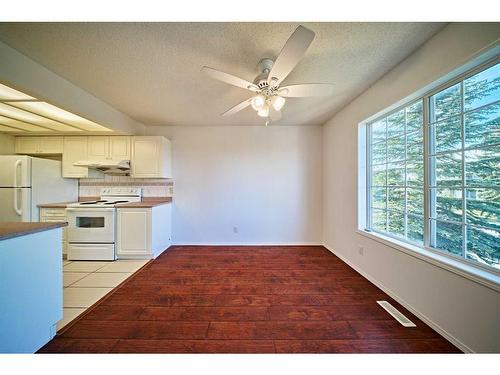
{"type": "Point", "coordinates": [22, 114]}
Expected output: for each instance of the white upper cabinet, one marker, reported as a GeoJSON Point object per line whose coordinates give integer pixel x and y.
{"type": "Point", "coordinates": [98, 148]}
{"type": "Point", "coordinates": [76, 149]}
{"type": "Point", "coordinates": [27, 145]}
{"type": "Point", "coordinates": [109, 148]}
{"type": "Point", "coordinates": [151, 157]}
{"type": "Point", "coordinates": [51, 145]}
{"type": "Point", "coordinates": [39, 145]}
{"type": "Point", "coordinates": [119, 147]}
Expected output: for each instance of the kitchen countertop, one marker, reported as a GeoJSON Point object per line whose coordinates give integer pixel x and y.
{"type": "Point", "coordinates": [65, 204]}
{"type": "Point", "coordinates": [147, 202]}
{"type": "Point", "coordinates": [55, 205]}
{"type": "Point", "coordinates": [17, 229]}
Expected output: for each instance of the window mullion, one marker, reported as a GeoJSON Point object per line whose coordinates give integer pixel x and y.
{"type": "Point", "coordinates": [427, 163]}
{"type": "Point", "coordinates": [406, 177]}
{"type": "Point", "coordinates": [368, 178]}
{"type": "Point", "coordinates": [464, 201]}
{"type": "Point", "coordinates": [386, 182]}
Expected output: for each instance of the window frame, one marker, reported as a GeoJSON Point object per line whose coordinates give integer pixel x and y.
{"type": "Point", "coordinates": [364, 174]}
{"type": "Point", "coordinates": [368, 218]}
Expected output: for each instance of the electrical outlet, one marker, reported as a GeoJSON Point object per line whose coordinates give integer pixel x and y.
{"type": "Point", "coordinates": [235, 229]}
{"type": "Point", "coordinates": [361, 250]}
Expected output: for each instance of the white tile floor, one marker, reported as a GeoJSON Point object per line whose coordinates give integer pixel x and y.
{"type": "Point", "coordinates": [86, 282]}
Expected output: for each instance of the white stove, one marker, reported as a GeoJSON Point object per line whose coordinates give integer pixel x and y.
{"type": "Point", "coordinates": [112, 196]}
{"type": "Point", "coordinates": [92, 224]}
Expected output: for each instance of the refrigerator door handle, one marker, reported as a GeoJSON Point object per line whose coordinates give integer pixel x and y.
{"type": "Point", "coordinates": [16, 166]}
{"type": "Point", "coordinates": [16, 208]}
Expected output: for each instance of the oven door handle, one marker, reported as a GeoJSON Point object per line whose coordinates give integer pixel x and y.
{"type": "Point", "coordinates": [95, 209]}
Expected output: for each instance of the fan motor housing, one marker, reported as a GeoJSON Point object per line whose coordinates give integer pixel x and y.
{"type": "Point", "coordinates": [264, 67]}
{"type": "Point", "coordinates": [261, 81]}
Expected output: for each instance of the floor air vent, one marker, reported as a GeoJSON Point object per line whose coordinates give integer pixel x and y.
{"type": "Point", "coordinates": [396, 314]}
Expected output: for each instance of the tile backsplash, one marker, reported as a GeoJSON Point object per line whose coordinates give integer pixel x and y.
{"type": "Point", "coordinates": [151, 187]}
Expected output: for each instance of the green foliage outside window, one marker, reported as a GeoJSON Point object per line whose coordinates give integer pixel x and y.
{"type": "Point", "coordinates": [464, 170]}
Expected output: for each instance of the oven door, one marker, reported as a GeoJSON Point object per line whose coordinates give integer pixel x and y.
{"type": "Point", "coordinates": [91, 225]}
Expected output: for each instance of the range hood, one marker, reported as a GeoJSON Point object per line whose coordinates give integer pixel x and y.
{"type": "Point", "coordinates": [116, 167]}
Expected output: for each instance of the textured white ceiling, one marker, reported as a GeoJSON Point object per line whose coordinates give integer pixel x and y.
{"type": "Point", "coordinates": [151, 71]}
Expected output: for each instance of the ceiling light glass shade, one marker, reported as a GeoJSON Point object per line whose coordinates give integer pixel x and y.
{"type": "Point", "coordinates": [21, 112]}
{"type": "Point", "coordinates": [7, 129]}
{"type": "Point", "coordinates": [264, 111]}
{"type": "Point", "coordinates": [58, 114]}
{"type": "Point", "coordinates": [6, 93]}
{"type": "Point", "coordinates": [31, 118]}
{"type": "Point", "coordinates": [278, 102]}
{"type": "Point", "coordinates": [22, 126]}
{"type": "Point", "coordinates": [258, 102]}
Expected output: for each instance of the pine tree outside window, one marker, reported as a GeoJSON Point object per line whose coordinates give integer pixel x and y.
{"type": "Point", "coordinates": [456, 210]}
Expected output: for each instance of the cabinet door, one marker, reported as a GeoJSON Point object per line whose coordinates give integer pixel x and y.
{"type": "Point", "coordinates": [98, 148]}
{"type": "Point", "coordinates": [27, 145]}
{"type": "Point", "coordinates": [119, 148]}
{"type": "Point", "coordinates": [145, 157]}
{"type": "Point", "coordinates": [51, 145]}
{"type": "Point", "coordinates": [75, 149]}
{"type": "Point", "coordinates": [133, 232]}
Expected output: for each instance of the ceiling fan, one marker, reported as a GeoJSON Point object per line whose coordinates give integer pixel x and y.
{"type": "Point", "coordinates": [269, 95]}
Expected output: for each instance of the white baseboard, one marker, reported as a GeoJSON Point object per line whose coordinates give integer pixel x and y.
{"type": "Point", "coordinates": [247, 244]}
{"type": "Point", "coordinates": [460, 345]}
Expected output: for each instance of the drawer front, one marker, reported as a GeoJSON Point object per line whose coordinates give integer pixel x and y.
{"type": "Point", "coordinates": [84, 251]}
{"type": "Point", "coordinates": [52, 219]}
{"type": "Point", "coordinates": [53, 213]}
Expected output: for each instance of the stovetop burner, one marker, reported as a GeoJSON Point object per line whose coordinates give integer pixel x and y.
{"type": "Point", "coordinates": [115, 202]}
{"type": "Point", "coordinates": [92, 202]}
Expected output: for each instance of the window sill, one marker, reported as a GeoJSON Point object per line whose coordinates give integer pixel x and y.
{"type": "Point", "coordinates": [479, 275]}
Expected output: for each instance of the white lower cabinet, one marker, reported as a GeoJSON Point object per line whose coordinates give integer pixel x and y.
{"type": "Point", "coordinates": [143, 233]}
{"type": "Point", "coordinates": [53, 215]}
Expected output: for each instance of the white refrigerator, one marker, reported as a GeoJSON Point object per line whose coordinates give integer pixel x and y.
{"type": "Point", "coordinates": [26, 182]}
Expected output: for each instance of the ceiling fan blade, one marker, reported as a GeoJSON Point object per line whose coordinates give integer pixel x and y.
{"type": "Point", "coordinates": [294, 50]}
{"type": "Point", "coordinates": [306, 89]}
{"type": "Point", "coordinates": [237, 108]}
{"type": "Point", "coordinates": [274, 115]}
{"type": "Point", "coordinates": [229, 78]}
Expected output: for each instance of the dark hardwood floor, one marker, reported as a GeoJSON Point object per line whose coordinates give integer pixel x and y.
{"type": "Point", "coordinates": [266, 299]}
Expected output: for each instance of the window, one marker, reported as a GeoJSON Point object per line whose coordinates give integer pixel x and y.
{"type": "Point", "coordinates": [397, 174]}
{"type": "Point", "coordinates": [456, 210]}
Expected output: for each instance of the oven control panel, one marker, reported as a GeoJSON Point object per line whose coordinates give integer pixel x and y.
{"type": "Point", "coordinates": [122, 191]}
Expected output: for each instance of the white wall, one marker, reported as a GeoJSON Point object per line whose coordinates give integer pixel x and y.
{"type": "Point", "coordinates": [265, 181]}
{"type": "Point", "coordinates": [7, 144]}
{"type": "Point", "coordinates": [465, 311]}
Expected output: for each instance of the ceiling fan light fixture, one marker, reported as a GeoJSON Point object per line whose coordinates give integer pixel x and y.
{"type": "Point", "coordinates": [264, 111]}
{"type": "Point", "coordinates": [269, 97]}
{"type": "Point", "coordinates": [258, 102]}
{"type": "Point", "coordinates": [278, 102]}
